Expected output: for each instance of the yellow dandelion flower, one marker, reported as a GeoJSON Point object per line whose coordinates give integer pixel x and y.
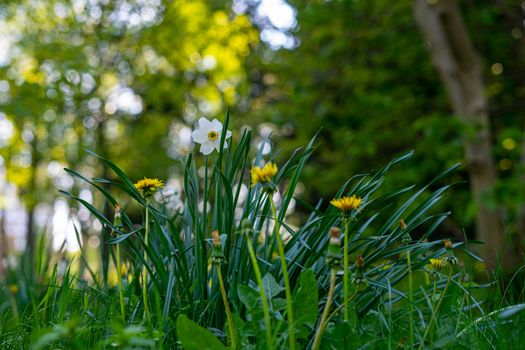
{"type": "Point", "coordinates": [346, 204]}
{"type": "Point", "coordinates": [13, 288]}
{"type": "Point", "coordinates": [149, 186]}
{"type": "Point", "coordinates": [263, 175]}
{"type": "Point", "coordinates": [438, 264]}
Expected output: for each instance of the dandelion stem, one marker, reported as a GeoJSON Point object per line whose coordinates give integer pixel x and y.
{"type": "Point", "coordinates": [262, 292]}
{"type": "Point", "coordinates": [288, 290]}
{"type": "Point", "coordinates": [436, 310]}
{"type": "Point", "coordinates": [231, 325]}
{"type": "Point", "coordinates": [341, 306]}
{"type": "Point", "coordinates": [345, 271]}
{"type": "Point", "coordinates": [14, 307]}
{"type": "Point", "coordinates": [120, 289]}
{"type": "Point", "coordinates": [324, 317]}
{"type": "Point", "coordinates": [144, 269]}
{"type": "Point", "coordinates": [410, 299]}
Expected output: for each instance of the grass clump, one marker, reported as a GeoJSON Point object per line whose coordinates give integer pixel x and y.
{"type": "Point", "coordinates": [227, 269]}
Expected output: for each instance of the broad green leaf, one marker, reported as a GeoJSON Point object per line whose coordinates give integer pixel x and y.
{"type": "Point", "coordinates": [194, 337]}
{"type": "Point", "coordinates": [305, 303]}
{"type": "Point", "coordinates": [271, 287]}
{"type": "Point", "coordinates": [248, 296]}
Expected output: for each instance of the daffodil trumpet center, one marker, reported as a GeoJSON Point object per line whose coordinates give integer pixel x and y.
{"type": "Point", "coordinates": [213, 135]}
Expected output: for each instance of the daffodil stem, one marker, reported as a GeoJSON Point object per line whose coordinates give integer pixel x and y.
{"type": "Point", "coordinates": [410, 299]}
{"type": "Point", "coordinates": [322, 324]}
{"type": "Point", "coordinates": [287, 287]}
{"type": "Point", "coordinates": [345, 271]}
{"type": "Point", "coordinates": [231, 325]}
{"type": "Point", "coordinates": [436, 310]}
{"type": "Point", "coordinates": [201, 250]}
{"type": "Point", "coordinates": [120, 289]}
{"type": "Point", "coordinates": [262, 292]}
{"type": "Point", "coordinates": [144, 268]}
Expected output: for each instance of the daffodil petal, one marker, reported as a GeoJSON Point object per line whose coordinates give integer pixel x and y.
{"type": "Point", "coordinates": [205, 125]}
{"type": "Point", "coordinates": [216, 144]}
{"type": "Point", "coordinates": [228, 134]}
{"type": "Point", "coordinates": [216, 125]}
{"type": "Point", "coordinates": [207, 148]}
{"type": "Point", "coordinates": [199, 136]}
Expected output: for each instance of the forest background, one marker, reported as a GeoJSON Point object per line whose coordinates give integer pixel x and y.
{"type": "Point", "coordinates": [127, 79]}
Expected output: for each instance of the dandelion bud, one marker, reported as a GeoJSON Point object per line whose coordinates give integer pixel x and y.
{"type": "Point", "coordinates": [216, 238]}
{"type": "Point", "coordinates": [359, 262]}
{"type": "Point", "coordinates": [217, 257]}
{"type": "Point", "coordinates": [335, 232]}
{"type": "Point", "coordinates": [117, 220]}
{"type": "Point", "coordinates": [447, 243]}
{"type": "Point", "coordinates": [333, 254]}
{"type": "Point", "coordinates": [358, 278]}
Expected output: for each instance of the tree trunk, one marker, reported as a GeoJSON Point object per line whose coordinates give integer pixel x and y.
{"type": "Point", "coordinates": [460, 70]}
{"type": "Point", "coordinates": [30, 203]}
{"type": "Point", "coordinates": [512, 19]}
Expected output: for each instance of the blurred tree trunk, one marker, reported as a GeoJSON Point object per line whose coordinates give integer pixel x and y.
{"type": "Point", "coordinates": [30, 202]}
{"type": "Point", "coordinates": [460, 70]}
{"type": "Point", "coordinates": [512, 18]}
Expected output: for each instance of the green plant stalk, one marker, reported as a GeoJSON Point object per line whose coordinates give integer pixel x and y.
{"type": "Point", "coordinates": [324, 317]}
{"type": "Point", "coordinates": [144, 269]}
{"type": "Point", "coordinates": [436, 310]}
{"type": "Point", "coordinates": [410, 300]}
{"type": "Point", "coordinates": [340, 307]}
{"type": "Point", "coordinates": [264, 300]}
{"type": "Point", "coordinates": [231, 325]}
{"type": "Point", "coordinates": [345, 271]}
{"type": "Point", "coordinates": [14, 307]}
{"type": "Point", "coordinates": [199, 241]}
{"type": "Point", "coordinates": [288, 289]}
{"type": "Point", "coordinates": [120, 288]}
{"type": "Point", "coordinates": [86, 302]}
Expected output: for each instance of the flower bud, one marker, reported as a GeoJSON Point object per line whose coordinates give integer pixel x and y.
{"type": "Point", "coordinates": [216, 238]}
{"type": "Point", "coordinates": [359, 261]}
{"type": "Point", "coordinates": [335, 232]}
{"type": "Point", "coordinates": [333, 254]}
{"type": "Point", "coordinates": [358, 278]}
{"type": "Point", "coordinates": [117, 220]}
{"type": "Point", "coordinates": [217, 257]}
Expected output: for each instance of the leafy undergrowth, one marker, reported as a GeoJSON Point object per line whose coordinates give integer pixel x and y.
{"type": "Point", "coordinates": [211, 273]}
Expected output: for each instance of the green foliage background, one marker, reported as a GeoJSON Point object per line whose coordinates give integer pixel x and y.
{"type": "Point", "coordinates": [359, 72]}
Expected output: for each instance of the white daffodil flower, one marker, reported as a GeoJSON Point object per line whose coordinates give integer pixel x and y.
{"type": "Point", "coordinates": [208, 135]}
